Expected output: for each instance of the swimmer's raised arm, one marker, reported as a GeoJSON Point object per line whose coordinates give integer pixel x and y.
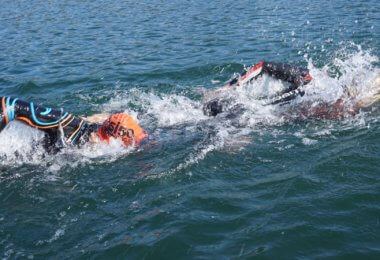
{"type": "Point", "coordinates": [293, 75]}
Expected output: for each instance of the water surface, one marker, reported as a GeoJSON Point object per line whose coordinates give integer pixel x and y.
{"type": "Point", "coordinates": [253, 185]}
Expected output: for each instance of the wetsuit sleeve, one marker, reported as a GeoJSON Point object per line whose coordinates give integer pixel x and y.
{"type": "Point", "coordinates": [294, 75]}
{"type": "Point", "coordinates": [55, 123]}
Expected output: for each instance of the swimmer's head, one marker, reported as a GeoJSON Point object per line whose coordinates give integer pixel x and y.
{"type": "Point", "coordinates": [216, 106]}
{"type": "Point", "coordinates": [212, 108]}
{"type": "Point", "coordinates": [121, 126]}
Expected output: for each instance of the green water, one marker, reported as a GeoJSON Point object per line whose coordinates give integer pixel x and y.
{"type": "Point", "coordinates": [254, 185]}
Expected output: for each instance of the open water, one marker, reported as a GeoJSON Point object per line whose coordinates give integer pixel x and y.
{"type": "Point", "coordinates": [254, 185]}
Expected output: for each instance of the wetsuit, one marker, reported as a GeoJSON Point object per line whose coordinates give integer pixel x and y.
{"type": "Point", "coordinates": [294, 75]}
{"type": "Point", "coordinates": [58, 125]}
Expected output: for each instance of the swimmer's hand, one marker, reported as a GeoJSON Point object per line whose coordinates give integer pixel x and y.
{"type": "Point", "coordinates": [97, 118]}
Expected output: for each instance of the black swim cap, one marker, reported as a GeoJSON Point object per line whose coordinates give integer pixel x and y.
{"type": "Point", "coordinates": [215, 106]}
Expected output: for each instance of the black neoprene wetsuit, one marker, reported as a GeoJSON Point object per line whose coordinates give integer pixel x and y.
{"type": "Point", "coordinates": [294, 75]}
{"type": "Point", "coordinates": [57, 124]}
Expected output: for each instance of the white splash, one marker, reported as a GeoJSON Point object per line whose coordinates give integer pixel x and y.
{"type": "Point", "coordinates": [166, 109]}
{"type": "Point", "coordinates": [19, 144]}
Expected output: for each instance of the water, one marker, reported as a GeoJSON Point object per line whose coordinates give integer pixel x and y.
{"type": "Point", "coordinates": [258, 184]}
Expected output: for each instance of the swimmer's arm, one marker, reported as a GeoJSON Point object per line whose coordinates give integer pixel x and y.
{"type": "Point", "coordinates": [294, 75]}
{"type": "Point", "coordinates": [97, 118]}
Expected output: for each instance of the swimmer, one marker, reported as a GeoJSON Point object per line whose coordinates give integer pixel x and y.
{"type": "Point", "coordinates": [63, 128]}
{"type": "Point", "coordinates": [296, 79]}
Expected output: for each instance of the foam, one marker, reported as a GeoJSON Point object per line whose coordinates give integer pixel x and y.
{"type": "Point", "coordinates": [21, 144]}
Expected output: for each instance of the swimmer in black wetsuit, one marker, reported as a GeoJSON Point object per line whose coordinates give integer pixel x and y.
{"type": "Point", "coordinates": [61, 126]}
{"type": "Point", "coordinates": [295, 76]}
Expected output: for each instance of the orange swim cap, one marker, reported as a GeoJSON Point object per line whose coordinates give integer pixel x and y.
{"type": "Point", "coordinates": [123, 127]}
